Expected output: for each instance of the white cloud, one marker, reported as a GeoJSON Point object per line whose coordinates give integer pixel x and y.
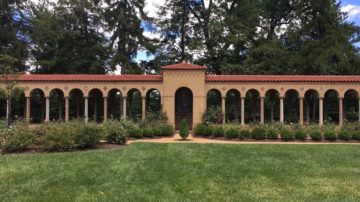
{"type": "Point", "coordinates": [352, 10]}
{"type": "Point", "coordinates": [151, 7]}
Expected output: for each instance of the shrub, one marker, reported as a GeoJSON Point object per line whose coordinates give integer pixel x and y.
{"type": "Point", "coordinates": [258, 133]}
{"type": "Point", "coordinates": [16, 139]}
{"type": "Point", "coordinates": [167, 130]}
{"type": "Point", "coordinates": [116, 135]}
{"type": "Point", "coordinates": [148, 132]}
{"type": "Point", "coordinates": [88, 136]}
{"type": "Point", "coordinates": [200, 129]}
{"type": "Point", "coordinates": [356, 135]}
{"type": "Point", "coordinates": [287, 134]}
{"type": "Point", "coordinates": [315, 135]}
{"type": "Point", "coordinates": [60, 137]}
{"type": "Point", "coordinates": [157, 131]}
{"type": "Point", "coordinates": [218, 131]}
{"type": "Point", "coordinates": [244, 133]}
{"type": "Point", "coordinates": [208, 131]}
{"type": "Point", "coordinates": [344, 135]}
{"type": "Point", "coordinates": [330, 135]}
{"type": "Point", "coordinates": [213, 115]}
{"type": "Point", "coordinates": [272, 134]}
{"type": "Point", "coordinates": [232, 133]}
{"type": "Point", "coordinates": [184, 129]}
{"type": "Point", "coordinates": [137, 133]}
{"type": "Point", "coordinates": [300, 134]}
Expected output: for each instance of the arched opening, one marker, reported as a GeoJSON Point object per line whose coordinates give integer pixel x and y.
{"type": "Point", "coordinates": [134, 105]}
{"type": "Point", "coordinates": [331, 106]}
{"type": "Point", "coordinates": [213, 99]}
{"type": "Point", "coordinates": [291, 106]}
{"type": "Point", "coordinates": [272, 106]}
{"type": "Point", "coordinates": [232, 106]}
{"type": "Point", "coordinates": [37, 106]}
{"type": "Point", "coordinates": [183, 106]}
{"type": "Point", "coordinates": [57, 105]}
{"type": "Point", "coordinates": [351, 106]}
{"type": "Point", "coordinates": [76, 101]}
{"type": "Point", "coordinates": [114, 104]}
{"type": "Point", "coordinates": [3, 105]}
{"type": "Point", "coordinates": [311, 102]}
{"type": "Point", "coordinates": [252, 106]}
{"type": "Point", "coordinates": [153, 101]}
{"type": "Point", "coordinates": [96, 105]}
{"type": "Point", "coordinates": [18, 105]}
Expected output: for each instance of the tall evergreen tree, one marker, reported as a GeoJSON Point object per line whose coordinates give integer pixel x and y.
{"type": "Point", "coordinates": [125, 20]}
{"type": "Point", "coordinates": [176, 30]}
{"type": "Point", "coordinates": [13, 30]}
{"type": "Point", "coordinates": [67, 38]}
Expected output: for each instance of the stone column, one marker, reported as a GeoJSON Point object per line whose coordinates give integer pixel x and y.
{"type": "Point", "coordinates": [124, 108]}
{"type": "Point", "coordinates": [7, 108]}
{"type": "Point", "coordinates": [86, 112]}
{"type": "Point", "coordinates": [262, 110]}
{"type": "Point", "coordinates": [341, 120]}
{"type": "Point", "coordinates": [66, 109]}
{"type": "Point", "coordinates": [28, 109]}
{"type": "Point", "coordinates": [47, 108]}
{"type": "Point", "coordinates": [223, 110]}
{"type": "Point", "coordinates": [301, 110]}
{"type": "Point", "coordinates": [143, 108]}
{"type": "Point", "coordinates": [359, 108]}
{"type": "Point", "coordinates": [105, 109]}
{"type": "Point", "coordinates": [321, 111]}
{"type": "Point", "coordinates": [281, 109]}
{"type": "Point", "coordinates": [242, 111]}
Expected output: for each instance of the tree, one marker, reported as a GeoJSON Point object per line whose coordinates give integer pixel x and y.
{"type": "Point", "coordinates": [126, 19]}
{"type": "Point", "coordinates": [324, 40]}
{"type": "Point", "coordinates": [67, 38]}
{"type": "Point", "coordinates": [177, 33]}
{"type": "Point", "coordinates": [184, 129]}
{"type": "Point", "coordinates": [13, 40]}
{"type": "Point", "coordinates": [10, 81]}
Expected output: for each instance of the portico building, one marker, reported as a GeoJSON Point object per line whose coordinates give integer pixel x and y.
{"type": "Point", "coordinates": [183, 90]}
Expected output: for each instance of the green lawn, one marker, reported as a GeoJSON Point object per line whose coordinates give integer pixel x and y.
{"type": "Point", "coordinates": [186, 172]}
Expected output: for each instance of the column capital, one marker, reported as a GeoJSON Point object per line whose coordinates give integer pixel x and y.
{"type": "Point", "coordinates": [321, 98]}
{"type": "Point", "coordinates": [340, 98]}
{"type": "Point", "coordinates": [281, 97]}
{"type": "Point", "coordinates": [301, 98]}
{"type": "Point", "coordinates": [47, 97]}
{"type": "Point", "coordinates": [223, 97]}
{"type": "Point", "coordinates": [244, 97]}
{"type": "Point", "coordinates": [105, 97]}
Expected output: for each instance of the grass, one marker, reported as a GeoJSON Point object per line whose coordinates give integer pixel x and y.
{"type": "Point", "coordinates": [186, 172]}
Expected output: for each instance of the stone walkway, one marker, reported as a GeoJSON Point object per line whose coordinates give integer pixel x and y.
{"type": "Point", "coordinates": [177, 139]}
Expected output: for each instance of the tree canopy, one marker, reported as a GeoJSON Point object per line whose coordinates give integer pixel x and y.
{"type": "Point", "coordinates": [227, 36]}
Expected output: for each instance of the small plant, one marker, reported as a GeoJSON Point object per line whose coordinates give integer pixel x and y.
{"type": "Point", "coordinates": [167, 130]}
{"type": "Point", "coordinates": [16, 139]}
{"type": "Point", "coordinates": [88, 136]}
{"type": "Point", "coordinates": [272, 134]}
{"type": "Point", "coordinates": [244, 133]}
{"type": "Point", "coordinates": [61, 137]}
{"type": "Point", "coordinates": [148, 132]}
{"type": "Point", "coordinates": [184, 129]}
{"type": "Point", "coordinates": [344, 135]}
{"type": "Point", "coordinates": [232, 133]}
{"type": "Point", "coordinates": [300, 134]}
{"type": "Point", "coordinates": [208, 131]}
{"type": "Point", "coordinates": [356, 135]}
{"type": "Point", "coordinates": [218, 132]}
{"type": "Point", "coordinates": [157, 131]}
{"type": "Point", "coordinates": [258, 133]}
{"type": "Point", "coordinates": [116, 136]}
{"type": "Point", "coordinates": [200, 129]}
{"type": "Point", "coordinates": [315, 135]}
{"type": "Point", "coordinates": [330, 135]}
{"type": "Point", "coordinates": [287, 135]}
{"type": "Point", "coordinates": [136, 133]}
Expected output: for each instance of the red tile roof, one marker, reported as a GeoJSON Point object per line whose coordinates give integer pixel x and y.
{"type": "Point", "coordinates": [281, 78]}
{"type": "Point", "coordinates": [183, 66]}
{"type": "Point", "coordinates": [90, 77]}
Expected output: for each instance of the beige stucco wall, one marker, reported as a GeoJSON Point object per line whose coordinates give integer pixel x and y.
{"type": "Point", "coordinates": [195, 81]}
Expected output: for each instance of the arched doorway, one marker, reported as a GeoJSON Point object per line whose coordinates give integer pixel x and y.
{"type": "Point", "coordinates": [183, 106]}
